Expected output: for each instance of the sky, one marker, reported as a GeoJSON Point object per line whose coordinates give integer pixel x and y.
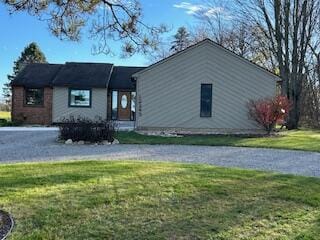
{"type": "Point", "coordinates": [20, 29]}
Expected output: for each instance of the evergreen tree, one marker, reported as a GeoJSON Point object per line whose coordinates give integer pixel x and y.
{"type": "Point", "coordinates": [31, 54]}
{"type": "Point", "coordinates": [181, 40]}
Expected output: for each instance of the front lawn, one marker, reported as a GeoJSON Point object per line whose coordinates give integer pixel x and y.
{"type": "Point", "coordinates": [5, 115]}
{"type": "Point", "coordinates": [145, 200]}
{"type": "Point", "coordinates": [308, 140]}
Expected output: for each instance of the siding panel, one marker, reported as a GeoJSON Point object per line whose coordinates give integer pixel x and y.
{"type": "Point", "coordinates": [62, 110]}
{"type": "Point", "coordinates": [169, 93]}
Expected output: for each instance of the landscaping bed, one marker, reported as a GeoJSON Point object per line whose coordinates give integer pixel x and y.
{"type": "Point", "coordinates": [6, 224]}
{"type": "Point", "coordinates": [143, 200]}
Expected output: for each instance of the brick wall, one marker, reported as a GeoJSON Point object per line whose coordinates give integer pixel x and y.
{"type": "Point", "coordinates": [31, 114]}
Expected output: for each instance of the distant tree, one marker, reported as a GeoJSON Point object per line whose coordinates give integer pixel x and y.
{"type": "Point", "coordinates": [31, 54]}
{"type": "Point", "coordinates": [268, 112]}
{"type": "Point", "coordinates": [104, 20]}
{"type": "Point", "coordinates": [181, 40]}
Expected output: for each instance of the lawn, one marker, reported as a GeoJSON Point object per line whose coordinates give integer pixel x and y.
{"type": "Point", "coordinates": [308, 140]}
{"type": "Point", "coordinates": [151, 200]}
{"type": "Point", "coordinates": [5, 115]}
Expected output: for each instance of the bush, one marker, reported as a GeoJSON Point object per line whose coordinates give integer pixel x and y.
{"type": "Point", "coordinates": [7, 123]}
{"type": "Point", "coordinates": [268, 112]}
{"type": "Point", "coordinates": [84, 129]}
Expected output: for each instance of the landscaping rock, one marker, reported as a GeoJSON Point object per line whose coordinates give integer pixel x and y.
{"type": "Point", "coordinates": [69, 141]}
{"type": "Point", "coordinates": [115, 141]}
{"type": "Point", "coordinates": [81, 142]}
{"type": "Point", "coordinates": [106, 142]}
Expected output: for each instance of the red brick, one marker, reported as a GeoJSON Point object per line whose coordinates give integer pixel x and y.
{"type": "Point", "coordinates": [31, 114]}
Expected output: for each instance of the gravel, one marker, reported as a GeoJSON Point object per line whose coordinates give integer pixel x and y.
{"type": "Point", "coordinates": [27, 146]}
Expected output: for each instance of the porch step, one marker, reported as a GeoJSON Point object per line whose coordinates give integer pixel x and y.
{"type": "Point", "coordinates": [125, 125]}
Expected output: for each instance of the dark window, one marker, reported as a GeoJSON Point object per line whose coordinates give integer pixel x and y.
{"type": "Point", "coordinates": [79, 97]}
{"type": "Point", "coordinates": [114, 105]}
{"type": "Point", "coordinates": [206, 100]}
{"type": "Point", "coordinates": [34, 96]}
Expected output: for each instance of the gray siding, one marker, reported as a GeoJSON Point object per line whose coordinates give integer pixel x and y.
{"type": "Point", "coordinates": [61, 109]}
{"type": "Point", "coordinates": [169, 93]}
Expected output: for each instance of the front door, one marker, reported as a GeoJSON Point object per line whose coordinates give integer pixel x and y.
{"type": "Point", "coordinates": [124, 106]}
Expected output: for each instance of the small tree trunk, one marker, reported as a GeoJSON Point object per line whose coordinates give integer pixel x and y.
{"type": "Point", "coordinates": [294, 116]}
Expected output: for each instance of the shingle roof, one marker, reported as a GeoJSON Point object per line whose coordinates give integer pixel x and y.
{"type": "Point", "coordinates": [37, 75]}
{"type": "Point", "coordinates": [84, 75]}
{"type": "Point", "coordinates": [121, 77]}
{"type": "Point", "coordinates": [77, 75]}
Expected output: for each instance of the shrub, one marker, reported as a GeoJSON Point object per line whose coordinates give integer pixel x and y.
{"type": "Point", "coordinates": [84, 129]}
{"type": "Point", "coordinates": [268, 112]}
{"type": "Point", "coordinates": [7, 123]}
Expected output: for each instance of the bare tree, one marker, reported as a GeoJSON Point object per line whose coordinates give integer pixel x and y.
{"type": "Point", "coordinates": [117, 20]}
{"type": "Point", "coordinates": [310, 109]}
{"type": "Point", "coordinates": [289, 26]}
{"type": "Point", "coordinates": [218, 21]}
{"type": "Point", "coordinates": [215, 19]}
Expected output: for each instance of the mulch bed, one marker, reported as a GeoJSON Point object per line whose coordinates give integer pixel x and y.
{"type": "Point", "coordinates": [5, 224]}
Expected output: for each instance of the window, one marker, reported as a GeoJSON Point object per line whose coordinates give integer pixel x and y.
{"type": "Point", "coordinates": [206, 100]}
{"type": "Point", "coordinates": [34, 96]}
{"type": "Point", "coordinates": [114, 105]}
{"type": "Point", "coordinates": [80, 98]}
{"type": "Point", "coordinates": [133, 106]}
{"type": "Point", "coordinates": [124, 101]}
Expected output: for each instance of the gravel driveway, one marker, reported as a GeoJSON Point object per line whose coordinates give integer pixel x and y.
{"type": "Point", "coordinates": [26, 146]}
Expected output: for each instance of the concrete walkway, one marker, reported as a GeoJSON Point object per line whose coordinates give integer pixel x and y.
{"type": "Point", "coordinates": [26, 146]}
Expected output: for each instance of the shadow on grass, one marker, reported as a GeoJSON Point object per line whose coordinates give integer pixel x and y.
{"type": "Point", "coordinates": [140, 200]}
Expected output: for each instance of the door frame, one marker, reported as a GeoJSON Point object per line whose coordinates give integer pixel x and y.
{"type": "Point", "coordinates": [118, 101]}
{"type": "Point", "coordinates": [128, 108]}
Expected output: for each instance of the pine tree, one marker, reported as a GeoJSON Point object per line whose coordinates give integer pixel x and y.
{"type": "Point", "coordinates": [31, 54]}
{"type": "Point", "coordinates": [181, 40]}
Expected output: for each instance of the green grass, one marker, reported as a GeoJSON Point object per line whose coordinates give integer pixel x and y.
{"type": "Point", "coordinates": [308, 140]}
{"type": "Point", "coordinates": [5, 119]}
{"type": "Point", "coordinates": [5, 115]}
{"type": "Point", "coordinates": [145, 200]}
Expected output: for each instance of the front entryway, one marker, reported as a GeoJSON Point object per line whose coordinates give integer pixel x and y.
{"type": "Point", "coordinates": [123, 105]}
{"type": "Point", "coordinates": [124, 108]}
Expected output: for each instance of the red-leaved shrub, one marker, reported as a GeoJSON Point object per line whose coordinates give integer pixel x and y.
{"type": "Point", "coordinates": [270, 111]}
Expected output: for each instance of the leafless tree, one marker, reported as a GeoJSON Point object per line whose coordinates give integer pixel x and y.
{"type": "Point", "coordinates": [278, 34]}
{"type": "Point", "coordinates": [218, 21]}
{"type": "Point", "coordinates": [289, 26]}
{"type": "Point", "coordinates": [310, 109]}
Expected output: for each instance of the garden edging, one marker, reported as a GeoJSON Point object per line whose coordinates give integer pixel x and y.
{"type": "Point", "coordinates": [8, 215]}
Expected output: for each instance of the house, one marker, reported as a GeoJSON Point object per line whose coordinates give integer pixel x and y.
{"type": "Point", "coordinates": [48, 93]}
{"type": "Point", "coordinates": [204, 87]}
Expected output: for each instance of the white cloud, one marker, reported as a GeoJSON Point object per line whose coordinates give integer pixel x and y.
{"type": "Point", "coordinates": [200, 9]}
